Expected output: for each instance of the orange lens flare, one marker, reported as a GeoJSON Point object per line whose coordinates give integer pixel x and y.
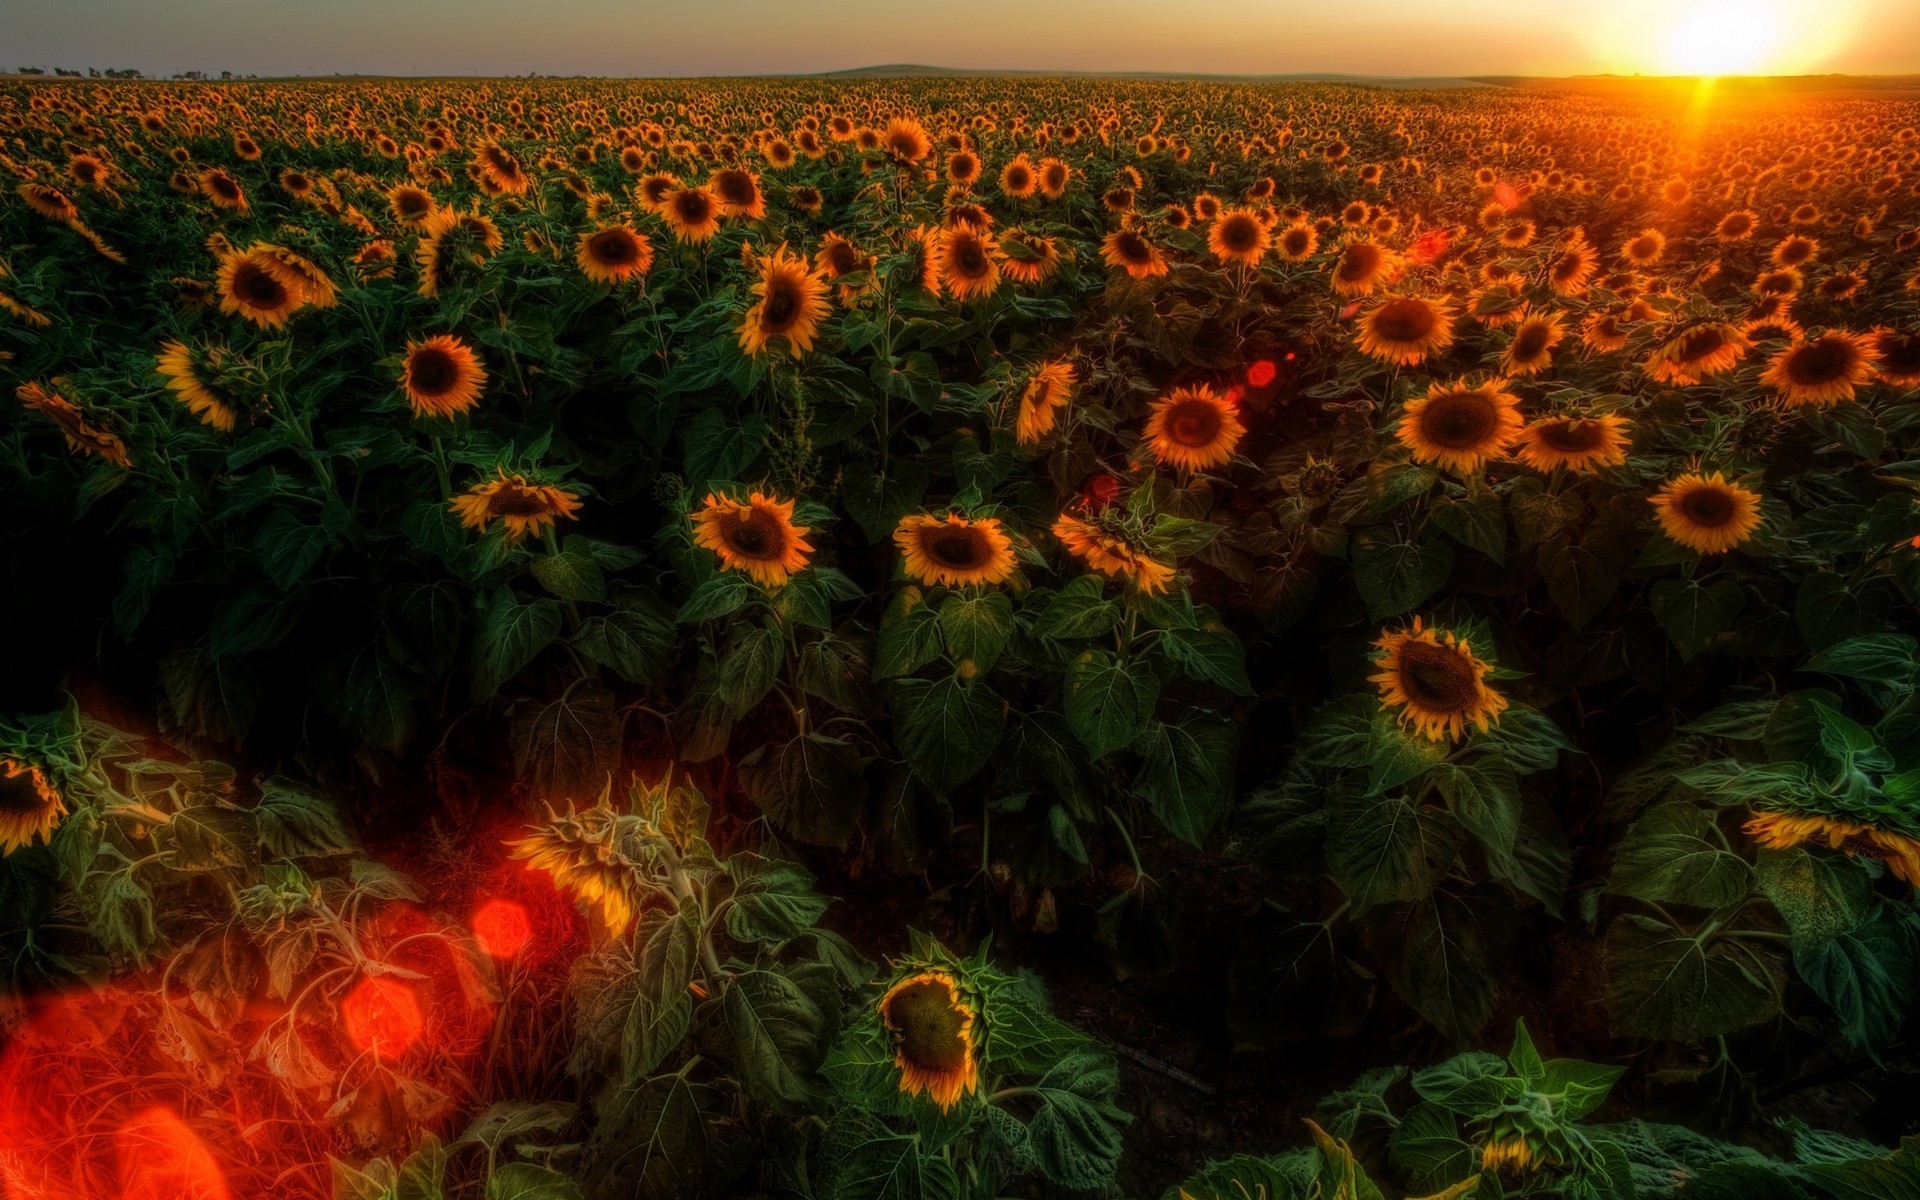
{"type": "Point", "coordinates": [1263, 373]}
{"type": "Point", "coordinates": [161, 1158]}
{"type": "Point", "coordinates": [502, 928]}
{"type": "Point", "coordinates": [382, 1017]}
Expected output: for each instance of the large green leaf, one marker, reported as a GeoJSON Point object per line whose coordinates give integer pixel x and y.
{"type": "Point", "coordinates": [1386, 848]}
{"type": "Point", "coordinates": [1673, 854]}
{"type": "Point", "coordinates": [811, 786]}
{"type": "Point", "coordinates": [1679, 984]}
{"type": "Point", "coordinates": [777, 1033]}
{"type": "Point", "coordinates": [947, 728]}
{"type": "Point", "coordinates": [512, 634]}
{"type": "Point", "coordinates": [1109, 700]}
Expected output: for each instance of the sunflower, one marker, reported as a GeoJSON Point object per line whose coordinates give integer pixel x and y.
{"type": "Point", "coordinates": [1237, 236]}
{"type": "Point", "coordinates": [1705, 513]}
{"type": "Point", "coordinates": [30, 806]}
{"type": "Point", "coordinates": [905, 140]}
{"type": "Point", "coordinates": [1531, 350]}
{"type": "Point", "coordinates": [1050, 388]}
{"type": "Point", "coordinates": [1405, 329]}
{"type": "Point", "coordinates": [1573, 266]}
{"type": "Point", "coordinates": [838, 257]}
{"type": "Point", "coordinates": [83, 436]}
{"type": "Point", "coordinates": [652, 191]}
{"type": "Point", "coordinates": [1899, 355]}
{"type": "Point", "coordinates": [50, 202]}
{"type": "Point", "coordinates": [954, 551]}
{"type": "Point", "coordinates": [757, 536]}
{"type": "Point", "coordinates": [252, 289]}
{"type": "Point", "coordinates": [1436, 682]}
{"type": "Point", "coordinates": [693, 213]}
{"type": "Point", "coordinates": [582, 854]}
{"type": "Point", "coordinates": [932, 1029]}
{"type": "Point", "coordinates": [1821, 371]}
{"type": "Point", "coordinates": [442, 376]}
{"type": "Point", "coordinates": [1460, 428]}
{"type": "Point", "coordinates": [1018, 179]}
{"type": "Point", "coordinates": [968, 263]}
{"type": "Point", "coordinates": [1580, 444]}
{"type": "Point", "coordinates": [792, 303]}
{"type": "Point", "coordinates": [298, 273]}
{"type": "Point", "coordinates": [523, 508]}
{"type": "Point", "coordinates": [1028, 258]}
{"type": "Point", "coordinates": [1645, 248]}
{"type": "Point", "coordinates": [1512, 1155]}
{"type": "Point", "coordinates": [223, 189]}
{"type": "Point", "coordinates": [1193, 428]}
{"type": "Point", "coordinates": [1697, 354]}
{"type": "Point", "coordinates": [1130, 250]}
{"type": "Point", "coordinates": [739, 194]}
{"type": "Point", "coordinates": [1112, 555]}
{"type": "Point", "coordinates": [1856, 839]}
{"type": "Point", "coordinates": [1360, 268]}
{"type": "Point", "coordinates": [203, 400]}
{"type": "Point", "coordinates": [1736, 226]}
{"type": "Point", "coordinates": [410, 205]}
{"type": "Point", "coordinates": [614, 255]}
{"type": "Point", "coordinates": [1296, 243]}
{"type": "Point", "coordinates": [1055, 174]}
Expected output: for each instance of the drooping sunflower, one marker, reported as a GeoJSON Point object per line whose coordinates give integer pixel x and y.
{"type": "Point", "coordinates": [30, 805]}
{"type": "Point", "coordinates": [82, 435]}
{"type": "Point", "coordinates": [298, 273]}
{"type": "Point", "coordinates": [1237, 236]}
{"type": "Point", "coordinates": [251, 289]}
{"type": "Point", "coordinates": [954, 551]}
{"type": "Point", "coordinates": [1697, 354]}
{"type": "Point", "coordinates": [931, 1026]}
{"type": "Point", "coordinates": [1579, 444]}
{"type": "Point", "coordinates": [1050, 388]}
{"type": "Point", "coordinates": [1129, 250]}
{"type": "Point", "coordinates": [1028, 258]}
{"type": "Point", "coordinates": [1405, 329]}
{"type": "Point", "coordinates": [1193, 428]}
{"type": "Point", "coordinates": [1531, 350]}
{"type": "Point", "coordinates": [1821, 371]}
{"type": "Point", "coordinates": [757, 536]}
{"type": "Point", "coordinates": [1706, 513]}
{"type": "Point", "coordinates": [202, 398]}
{"type": "Point", "coordinates": [614, 255]}
{"type": "Point", "coordinates": [1899, 849]}
{"type": "Point", "coordinates": [1899, 355]}
{"type": "Point", "coordinates": [50, 202]}
{"type": "Point", "coordinates": [1361, 267]}
{"type": "Point", "coordinates": [1506, 1155]}
{"type": "Point", "coordinates": [968, 263]}
{"type": "Point", "coordinates": [792, 303]}
{"type": "Point", "coordinates": [1436, 682]}
{"type": "Point", "coordinates": [692, 213]}
{"type": "Point", "coordinates": [442, 376]}
{"type": "Point", "coordinates": [583, 855]}
{"type": "Point", "coordinates": [522, 508]}
{"type": "Point", "coordinates": [1460, 427]}
{"type": "Point", "coordinates": [1112, 555]}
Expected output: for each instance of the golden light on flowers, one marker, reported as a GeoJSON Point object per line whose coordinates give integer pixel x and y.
{"type": "Point", "coordinates": [968, 263]}
{"type": "Point", "coordinates": [250, 288]}
{"type": "Point", "coordinates": [1531, 350]}
{"type": "Point", "coordinates": [1027, 258]}
{"type": "Point", "coordinates": [953, 551]}
{"type": "Point", "coordinates": [30, 805]}
{"type": "Point", "coordinates": [1511, 1155]}
{"type": "Point", "coordinates": [201, 397]}
{"type": "Point", "coordinates": [410, 205]}
{"type": "Point", "coordinates": [1821, 371]}
{"type": "Point", "coordinates": [1194, 428]}
{"type": "Point", "coordinates": [49, 201]}
{"type": "Point", "coordinates": [931, 1027]}
{"type": "Point", "coordinates": [82, 435]}
{"type": "Point", "coordinates": [1697, 354]}
{"type": "Point", "coordinates": [1460, 427]}
{"type": "Point", "coordinates": [1296, 243]}
{"type": "Point", "coordinates": [1577, 444]}
{"type": "Point", "coordinates": [905, 140]}
{"type": "Point", "coordinates": [1704, 512]}
{"type": "Point", "coordinates": [614, 255]}
{"type": "Point", "coordinates": [1898, 356]}
{"type": "Point", "coordinates": [792, 303]}
{"type": "Point", "coordinates": [1404, 330]}
{"type": "Point", "coordinates": [1237, 236]}
{"type": "Point", "coordinates": [1855, 839]}
{"type": "Point", "coordinates": [442, 376]}
{"type": "Point", "coordinates": [297, 273]}
{"type": "Point", "coordinates": [1050, 388]}
{"type": "Point", "coordinates": [1435, 682]}
{"type": "Point", "coordinates": [521, 508]}
{"type": "Point", "coordinates": [692, 213]}
{"type": "Point", "coordinates": [1129, 250]}
{"type": "Point", "coordinates": [581, 855]}
{"type": "Point", "coordinates": [756, 535]}
{"type": "Point", "coordinates": [1361, 267]}
{"type": "Point", "coordinates": [1112, 555]}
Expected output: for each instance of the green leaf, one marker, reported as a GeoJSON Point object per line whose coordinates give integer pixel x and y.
{"type": "Point", "coordinates": [1893, 1177]}
{"type": "Point", "coordinates": [1396, 756]}
{"type": "Point", "coordinates": [749, 667]}
{"type": "Point", "coordinates": [1867, 975]}
{"type": "Point", "coordinates": [910, 635]}
{"type": "Point", "coordinates": [1440, 966]}
{"type": "Point", "coordinates": [1484, 796]}
{"type": "Point", "coordinates": [1385, 848]}
{"type": "Point", "coordinates": [777, 1033]}
{"type": "Point", "coordinates": [1476, 523]}
{"type": "Point", "coordinates": [1395, 577]}
{"type": "Point", "coordinates": [720, 596]}
{"type": "Point", "coordinates": [572, 574]}
{"type": "Point", "coordinates": [1186, 776]}
{"type": "Point", "coordinates": [1683, 985]}
{"type": "Point", "coordinates": [1209, 655]}
{"type": "Point", "coordinates": [512, 635]}
{"type": "Point", "coordinates": [976, 629]}
{"type": "Point", "coordinates": [947, 728]}
{"type": "Point", "coordinates": [1692, 613]}
{"type": "Point", "coordinates": [528, 1181]}
{"type": "Point", "coordinates": [287, 547]}
{"type": "Point", "coordinates": [569, 747]}
{"type": "Point", "coordinates": [1581, 578]}
{"type": "Point", "coordinates": [1109, 700]}
{"type": "Point", "coordinates": [1673, 855]}
{"type": "Point", "coordinates": [636, 640]}
{"type": "Point", "coordinates": [292, 821]}
{"type": "Point", "coordinates": [812, 786]}
{"type": "Point", "coordinates": [1076, 1132]}
{"type": "Point", "coordinates": [659, 1006]}
{"type": "Point", "coordinates": [1890, 658]}
{"type": "Point", "coordinates": [651, 1141]}
{"type": "Point", "coordinates": [864, 1160]}
{"type": "Point", "coordinates": [773, 900]}
{"type": "Point", "coordinates": [1078, 610]}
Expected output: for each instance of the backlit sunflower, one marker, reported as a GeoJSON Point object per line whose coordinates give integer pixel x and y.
{"type": "Point", "coordinates": [1645, 248]}
{"type": "Point", "coordinates": [968, 263]}
{"type": "Point", "coordinates": [1193, 428]}
{"type": "Point", "coordinates": [1531, 350]}
{"type": "Point", "coordinates": [1460, 427]}
{"type": "Point", "coordinates": [692, 213]}
{"type": "Point", "coordinates": [1130, 250]}
{"type": "Point", "coordinates": [954, 551]}
{"type": "Point", "coordinates": [442, 376]}
{"type": "Point", "coordinates": [1821, 371]}
{"type": "Point", "coordinates": [522, 508]}
{"type": "Point", "coordinates": [251, 289]}
{"type": "Point", "coordinates": [1571, 269]}
{"type": "Point", "coordinates": [792, 303]}
{"type": "Point", "coordinates": [1856, 839]}
{"type": "Point", "coordinates": [50, 202]}
{"type": "Point", "coordinates": [757, 536]}
{"type": "Point", "coordinates": [83, 436]}
{"type": "Point", "coordinates": [410, 205]}
{"type": "Point", "coordinates": [1697, 354]}
{"type": "Point", "coordinates": [1579, 444]}
{"type": "Point", "coordinates": [1112, 555]}
{"type": "Point", "coordinates": [1704, 512]}
{"type": "Point", "coordinates": [223, 189]}
{"type": "Point", "coordinates": [1506, 1155]}
{"type": "Point", "coordinates": [1436, 682]}
{"type": "Point", "coordinates": [614, 255]}
{"type": "Point", "coordinates": [1405, 329]}
{"type": "Point", "coordinates": [200, 395]}
{"type": "Point", "coordinates": [932, 1029]}
{"type": "Point", "coordinates": [905, 140]}
{"type": "Point", "coordinates": [1050, 388]}
{"type": "Point", "coordinates": [30, 805]}
{"type": "Point", "coordinates": [582, 854]}
{"type": "Point", "coordinates": [1237, 236]}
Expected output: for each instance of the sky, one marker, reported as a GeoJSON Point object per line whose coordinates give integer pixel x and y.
{"type": "Point", "coordinates": [750, 37]}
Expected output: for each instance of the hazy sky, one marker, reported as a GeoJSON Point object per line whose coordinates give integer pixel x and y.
{"type": "Point", "coordinates": [701, 37]}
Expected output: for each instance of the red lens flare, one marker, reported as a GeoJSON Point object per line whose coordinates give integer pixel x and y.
{"type": "Point", "coordinates": [502, 928]}
{"type": "Point", "coordinates": [382, 1016]}
{"type": "Point", "coordinates": [161, 1158]}
{"type": "Point", "coordinates": [1263, 373]}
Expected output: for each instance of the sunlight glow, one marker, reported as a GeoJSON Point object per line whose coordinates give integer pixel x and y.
{"type": "Point", "coordinates": [1725, 38]}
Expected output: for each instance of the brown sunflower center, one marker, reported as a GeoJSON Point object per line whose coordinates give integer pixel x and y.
{"type": "Point", "coordinates": [1899, 354]}
{"type": "Point", "coordinates": [613, 247]}
{"type": "Point", "coordinates": [432, 371]}
{"type": "Point", "coordinates": [967, 257]}
{"type": "Point", "coordinates": [755, 534]}
{"type": "Point", "coordinates": [692, 207]}
{"type": "Point", "coordinates": [1699, 344]}
{"type": "Point", "coordinates": [20, 794]}
{"type": "Point", "coordinates": [1531, 341]}
{"type": "Point", "coordinates": [1193, 423]}
{"type": "Point", "coordinates": [1018, 179]}
{"type": "Point", "coordinates": [1438, 677]}
{"type": "Point", "coordinates": [925, 1022]}
{"type": "Point", "coordinates": [513, 500]}
{"type": "Point", "coordinates": [1405, 320]}
{"type": "Point", "coordinates": [736, 188]}
{"type": "Point", "coordinates": [1573, 436]}
{"type": "Point", "coordinates": [1240, 234]}
{"type": "Point", "coordinates": [1460, 420]}
{"type": "Point", "coordinates": [956, 546]}
{"type": "Point", "coordinates": [1824, 361]}
{"type": "Point", "coordinates": [254, 287]}
{"type": "Point", "coordinates": [227, 188]}
{"type": "Point", "coordinates": [843, 258]}
{"type": "Point", "coordinates": [1358, 262]}
{"type": "Point", "coordinates": [782, 306]}
{"type": "Point", "coordinates": [1708, 507]}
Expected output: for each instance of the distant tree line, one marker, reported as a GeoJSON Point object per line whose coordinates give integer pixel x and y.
{"type": "Point", "coordinates": [126, 73]}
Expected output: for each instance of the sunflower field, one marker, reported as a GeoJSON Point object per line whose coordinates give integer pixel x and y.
{"type": "Point", "coordinates": [947, 639]}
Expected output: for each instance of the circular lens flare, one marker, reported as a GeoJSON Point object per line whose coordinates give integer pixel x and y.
{"type": "Point", "coordinates": [502, 928]}
{"type": "Point", "coordinates": [382, 1016]}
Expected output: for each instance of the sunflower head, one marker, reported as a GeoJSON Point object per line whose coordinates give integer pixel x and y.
{"type": "Point", "coordinates": [1579, 444]}
{"type": "Point", "coordinates": [1405, 329]}
{"type": "Point", "coordinates": [1705, 512]}
{"type": "Point", "coordinates": [931, 1024]}
{"type": "Point", "coordinates": [756, 535]}
{"type": "Point", "coordinates": [1194, 428]}
{"type": "Point", "coordinates": [954, 551]}
{"type": "Point", "coordinates": [1435, 682]}
{"type": "Point", "coordinates": [614, 255]}
{"type": "Point", "coordinates": [442, 376]}
{"type": "Point", "coordinates": [30, 805]}
{"type": "Point", "coordinates": [1823, 370]}
{"type": "Point", "coordinates": [522, 508]}
{"type": "Point", "coordinates": [1460, 427]}
{"type": "Point", "coordinates": [1855, 835]}
{"type": "Point", "coordinates": [1050, 388]}
{"type": "Point", "coordinates": [1238, 236]}
{"type": "Point", "coordinates": [581, 852]}
{"type": "Point", "coordinates": [792, 303]}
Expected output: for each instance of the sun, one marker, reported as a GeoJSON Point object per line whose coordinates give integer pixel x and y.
{"type": "Point", "coordinates": [1725, 38]}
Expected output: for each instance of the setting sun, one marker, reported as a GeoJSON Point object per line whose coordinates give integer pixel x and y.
{"type": "Point", "coordinates": [1725, 39]}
